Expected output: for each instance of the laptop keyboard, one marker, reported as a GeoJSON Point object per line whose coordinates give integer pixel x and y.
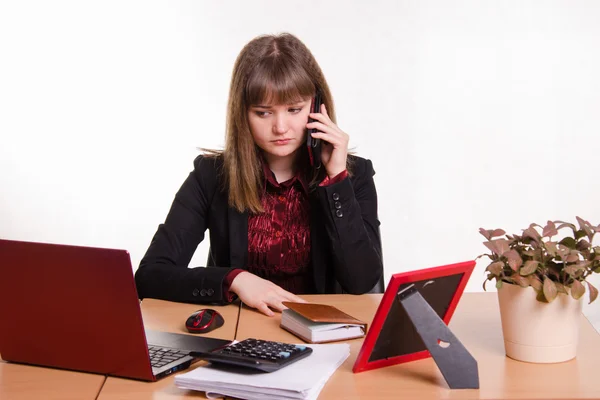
{"type": "Point", "coordinates": [161, 356]}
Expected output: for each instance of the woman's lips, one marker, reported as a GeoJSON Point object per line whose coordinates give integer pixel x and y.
{"type": "Point", "coordinates": [282, 142]}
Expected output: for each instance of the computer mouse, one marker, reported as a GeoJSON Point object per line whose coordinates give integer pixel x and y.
{"type": "Point", "coordinates": [204, 321]}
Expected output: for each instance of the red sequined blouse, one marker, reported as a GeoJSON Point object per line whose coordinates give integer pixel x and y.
{"type": "Point", "coordinates": [279, 238]}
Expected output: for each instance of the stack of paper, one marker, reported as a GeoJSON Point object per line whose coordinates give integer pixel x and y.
{"type": "Point", "coordinates": [303, 379]}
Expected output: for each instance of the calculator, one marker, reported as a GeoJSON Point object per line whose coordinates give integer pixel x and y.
{"type": "Point", "coordinates": [261, 355]}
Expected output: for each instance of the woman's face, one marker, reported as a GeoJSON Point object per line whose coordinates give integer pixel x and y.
{"type": "Point", "coordinates": [279, 129]}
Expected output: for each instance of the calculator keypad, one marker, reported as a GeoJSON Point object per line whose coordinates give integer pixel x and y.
{"type": "Point", "coordinates": [262, 349]}
{"type": "Point", "coordinates": [263, 355]}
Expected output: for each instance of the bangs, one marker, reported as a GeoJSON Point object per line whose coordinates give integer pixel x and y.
{"type": "Point", "coordinates": [277, 80]}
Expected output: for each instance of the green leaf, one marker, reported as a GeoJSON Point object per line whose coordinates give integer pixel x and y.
{"type": "Point", "coordinates": [577, 290]}
{"type": "Point", "coordinates": [541, 297]}
{"type": "Point", "coordinates": [498, 284]}
{"type": "Point", "coordinates": [549, 289]}
{"type": "Point", "coordinates": [529, 268]}
{"type": "Point", "coordinates": [568, 242]}
{"type": "Point", "coordinates": [593, 292]}
{"type": "Point", "coordinates": [579, 234]}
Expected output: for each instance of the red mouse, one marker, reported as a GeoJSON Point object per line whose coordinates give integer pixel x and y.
{"type": "Point", "coordinates": [204, 321]}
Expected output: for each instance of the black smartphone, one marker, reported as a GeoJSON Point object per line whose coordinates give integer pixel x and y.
{"type": "Point", "coordinates": [314, 145]}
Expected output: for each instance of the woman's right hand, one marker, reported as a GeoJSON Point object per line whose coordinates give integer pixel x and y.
{"type": "Point", "coordinates": [261, 294]}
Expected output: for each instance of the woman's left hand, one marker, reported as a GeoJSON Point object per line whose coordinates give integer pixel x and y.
{"type": "Point", "coordinates": [334, 148]}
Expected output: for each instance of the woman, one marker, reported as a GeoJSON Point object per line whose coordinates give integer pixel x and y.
{"type": "Point", "coordinates": [278, 227]}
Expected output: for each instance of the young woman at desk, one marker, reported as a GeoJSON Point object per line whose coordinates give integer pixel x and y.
{"type": "Point", "coordinates": [278, 226]}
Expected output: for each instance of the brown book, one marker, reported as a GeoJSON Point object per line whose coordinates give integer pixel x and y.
{"type": "Point", "coordinates": [320, 323]}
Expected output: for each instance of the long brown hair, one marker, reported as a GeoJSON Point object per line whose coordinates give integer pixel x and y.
{"type": "Point", "coordinates": [276, 69]}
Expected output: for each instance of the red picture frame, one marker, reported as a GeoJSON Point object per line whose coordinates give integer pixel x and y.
{"type": "Point", "coordinates": [442, 286]}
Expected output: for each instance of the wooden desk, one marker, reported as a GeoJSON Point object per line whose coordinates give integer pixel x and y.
{"type": "Point", "coordinates": [476, 323]}
{"type": "Point", "coordinates": [169, 317]}
{"type": "Point", "coordinates": [21, 382]}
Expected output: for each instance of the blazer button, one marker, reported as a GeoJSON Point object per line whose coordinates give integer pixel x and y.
{"type": "Point", "coordinates": [339, 213]}
{"type": "Point", "coordinates": [210, 292]}
{"type": "Point", "coordinates": [338, 205]}
{"type": "Point", "coordinates": [336, 196]}
{"type": "Point", "coordinates": [203, 292]}
{"type": "Point", "coordinates": [195, 292]}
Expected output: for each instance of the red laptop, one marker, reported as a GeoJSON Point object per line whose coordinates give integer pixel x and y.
{"type": "Point", "coordinates": [77, 308]}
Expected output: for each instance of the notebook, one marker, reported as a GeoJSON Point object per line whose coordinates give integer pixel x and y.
{"type": "Point", "coordinates": [320, 323]}
{"type": "Point", "coordinates": [77, 308]}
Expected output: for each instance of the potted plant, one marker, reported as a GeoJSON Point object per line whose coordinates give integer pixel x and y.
{"type": "Point", "coordinates": [541, 280]}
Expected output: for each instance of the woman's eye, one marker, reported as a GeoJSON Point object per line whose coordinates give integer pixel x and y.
{"type": "Point", "coordinates": [295, 110]}
{"type": "Point", "coordinates": [261, 113]}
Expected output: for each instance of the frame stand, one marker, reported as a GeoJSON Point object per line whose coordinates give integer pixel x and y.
{"type": "Point", "coordinates": [457, 365]}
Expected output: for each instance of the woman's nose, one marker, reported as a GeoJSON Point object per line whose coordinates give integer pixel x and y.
{"type": "Point", "coordinates": [281, 125]}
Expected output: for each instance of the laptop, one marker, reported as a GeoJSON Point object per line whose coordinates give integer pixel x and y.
{"type": "Point", "coordinates": [77, 308]}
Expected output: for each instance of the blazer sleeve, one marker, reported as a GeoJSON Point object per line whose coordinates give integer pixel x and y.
{"type": "Point", "coordinates": [163, 272]}
{"type": "Point", "coordinates": [351, 222]}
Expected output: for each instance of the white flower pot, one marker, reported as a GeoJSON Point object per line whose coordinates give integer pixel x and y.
{"type": "Point", "coordinates": [539, 332]}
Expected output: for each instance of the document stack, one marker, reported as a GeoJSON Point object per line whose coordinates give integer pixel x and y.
{"type": "Point", "coordinates": [301, 380]}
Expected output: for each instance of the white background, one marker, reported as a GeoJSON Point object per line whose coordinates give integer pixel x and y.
{"type": "Point", "coordinates": [474, 113]}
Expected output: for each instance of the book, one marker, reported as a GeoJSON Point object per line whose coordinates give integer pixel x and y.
{"type": "Point", "coordinates": [320, 323]}
{"type": "Point", "coordinates": [301, 380]}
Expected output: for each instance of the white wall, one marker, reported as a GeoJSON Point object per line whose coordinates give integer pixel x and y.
{"type": "Point", "coordinates": [475, 113]}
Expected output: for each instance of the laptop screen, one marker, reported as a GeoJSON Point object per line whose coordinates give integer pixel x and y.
{"type": "Point", "coordinates": [71, 307]}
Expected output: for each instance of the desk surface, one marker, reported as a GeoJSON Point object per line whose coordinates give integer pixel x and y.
{"type": "Point", "coordinates": [20, 382]}
{"type": "Point", "coordinates": [476, 323]}
{"type": "Point", "coordinates": [168, 317]}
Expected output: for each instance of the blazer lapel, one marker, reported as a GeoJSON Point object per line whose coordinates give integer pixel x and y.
{"type": "Point", "coordinates": [238, 238]}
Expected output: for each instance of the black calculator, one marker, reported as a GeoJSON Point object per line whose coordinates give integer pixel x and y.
{"type": "Point", "coordinates": [262, 355]}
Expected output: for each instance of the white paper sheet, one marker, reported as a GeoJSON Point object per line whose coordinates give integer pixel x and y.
{"type": "Point", "coordinates": [303, 379]}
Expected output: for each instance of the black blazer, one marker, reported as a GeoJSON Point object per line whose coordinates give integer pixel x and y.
{"type": "Point", "coordinates": [345, 241]}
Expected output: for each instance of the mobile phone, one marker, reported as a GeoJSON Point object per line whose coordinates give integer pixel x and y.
{"type": "Point", "coordinates": [314, 145]}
